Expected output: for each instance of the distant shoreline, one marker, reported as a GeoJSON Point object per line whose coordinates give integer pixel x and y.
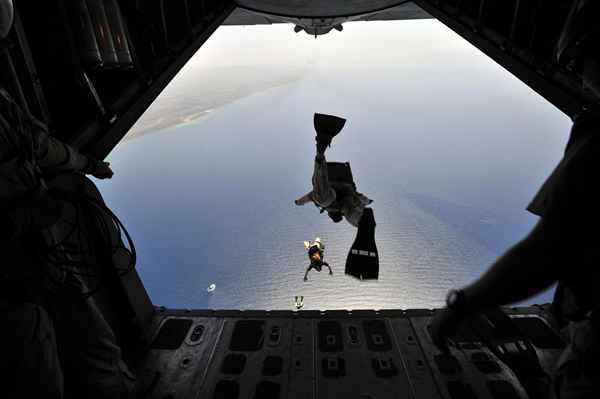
{"type": "Point", "coordinates": [167, 112]}
{"type": "Point", "coordinates": [165, 124]}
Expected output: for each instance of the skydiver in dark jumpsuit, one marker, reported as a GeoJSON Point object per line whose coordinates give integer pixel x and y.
{"type": "Point", "coordinates": [340, 200]}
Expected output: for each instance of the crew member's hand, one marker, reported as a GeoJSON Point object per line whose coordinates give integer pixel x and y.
{"type": "Point", "coordinates": [330, 272]}
{"type": "Point", "coordinates": [305, 278]}
{"type": "Point", "coordinates": [103, 171]}
{"type": "Point", "coordinates": [98, 169]}
{"type": "Point", "coordinates": [443, 327]}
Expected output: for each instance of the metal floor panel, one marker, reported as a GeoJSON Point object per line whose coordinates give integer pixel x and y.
{"type": "Point", "coordinates": [336, 354]}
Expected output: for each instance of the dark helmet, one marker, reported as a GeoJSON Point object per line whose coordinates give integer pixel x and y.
{"type": "Point", "coordinates": [336, 216]}
{"type": "Point", "coordinates": [7, 14]}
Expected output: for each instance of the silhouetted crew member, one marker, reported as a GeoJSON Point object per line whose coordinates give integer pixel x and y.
{"type": "Point", "coordinates": [564, 246]}
{"type": "Point", "coordinates": [340, 200]}
{"type": "Point", "coordinates": [29, 360]}
{"type": "Point", "coordinates": [316, 252]}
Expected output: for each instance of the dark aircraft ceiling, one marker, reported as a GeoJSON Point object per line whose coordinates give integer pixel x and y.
{"type": "Point", "coordinates": [332, 9]}
{"type": "Point", "coordinates": [316, 8]}
{"type": "Point", "coordinates": [263, 13]}
{"type": "Point", "coordinates": [319, 18]}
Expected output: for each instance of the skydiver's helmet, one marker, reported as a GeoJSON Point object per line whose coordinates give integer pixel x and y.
{"type": "Point", "coordinates": [7, 15]}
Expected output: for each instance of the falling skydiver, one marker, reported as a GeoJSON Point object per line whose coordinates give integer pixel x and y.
{"type": "Point", "coordinates": [316, 254]}
{"type": "Point", "coordinates": [338, 197]}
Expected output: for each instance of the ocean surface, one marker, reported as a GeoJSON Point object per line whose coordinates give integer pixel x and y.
{"type": "Point", "coordinates": [451, 161]}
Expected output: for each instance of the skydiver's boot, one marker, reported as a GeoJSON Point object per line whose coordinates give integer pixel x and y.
{"type": "Point", "coordinates": [327, 127]}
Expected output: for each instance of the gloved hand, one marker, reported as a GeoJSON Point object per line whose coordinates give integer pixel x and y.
{"type": "Point", "coordinates": [305, 278]}
{"type": "Point", "coordinates": [98, 169]}
{"type": "Point", "coordinates": [331, 272]}
{"type": "Point", "coordinates": [443, 327]}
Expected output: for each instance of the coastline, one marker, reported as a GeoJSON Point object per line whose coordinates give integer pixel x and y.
{"type": "Point", "coordinates": [178, 107]}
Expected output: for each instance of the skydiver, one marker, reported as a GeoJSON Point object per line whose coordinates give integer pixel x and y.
{"type": "Point", "coordinates": [30, 290]}
{"type": "Point", "coordinates": [340, 200]}
{"type": "Point", "coordinates": [316, 254]}
{"type": "Point", "coordinates": [563, 247]}
{"type": "Point", "coordinates": [299, 302]}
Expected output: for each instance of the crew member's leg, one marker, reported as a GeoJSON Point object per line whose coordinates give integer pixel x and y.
{"type": "Point", "coordinates": [88, 347]}
{"type": "Point", "coordinates": [578, 374]}
{"type": "Point", "coordinates": [323, 193]}
{"type": "Point", "coordinates": [29, 365]}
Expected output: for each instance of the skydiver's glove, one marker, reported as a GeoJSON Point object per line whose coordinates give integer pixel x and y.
{"type": "Point", "coordinates": [305, 278]}
{"type": "Point", "coordinates": [331, 272]}
{"type": "Point", "coordinates": [98, 169]}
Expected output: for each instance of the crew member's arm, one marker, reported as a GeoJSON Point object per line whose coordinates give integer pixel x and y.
{"type": "Point", "coordinates": [306, 274]}
{"type": "Point", "coordinates": [529, 267]}
{"type": "Point", "coordinates": [526, 269]}
{"type": "Point", "coordinates": [327, 264]}
{"type": "Point", "coordinates": [569, 209]}
{"type": "Point", "coordinates": [55, 156]}
{"type": "Point", "coordinates": [543, 256]}
{"type": "Point", "coordinates": [304, 199]}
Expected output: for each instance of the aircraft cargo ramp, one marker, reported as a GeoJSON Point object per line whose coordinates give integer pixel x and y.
{"type": "Point", "coordinates": [340, 354]}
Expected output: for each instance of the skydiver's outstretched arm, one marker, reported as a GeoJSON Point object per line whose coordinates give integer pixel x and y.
{"type": "Point", "coordinates": [306, 274]}
{"type": "Point", "coordinates": [304, 199]}
{"type": "Point", "coordinates": [327, 264]}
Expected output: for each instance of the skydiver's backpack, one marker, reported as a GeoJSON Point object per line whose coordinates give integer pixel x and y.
{"type": "Point", "coordinates": [340, 173]}
{"type": "Point", "coordinates": [341, 180]}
